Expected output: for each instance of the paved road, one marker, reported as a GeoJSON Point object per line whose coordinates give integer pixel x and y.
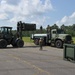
{"type": "Point", "coordinates": [31, 61]}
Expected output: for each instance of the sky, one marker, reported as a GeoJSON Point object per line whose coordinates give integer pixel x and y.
{"type": "Point", "coordinates": [40, 12]}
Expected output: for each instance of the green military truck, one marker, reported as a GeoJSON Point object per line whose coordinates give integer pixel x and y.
{"type": "Point", "coordinates": [54, 37]}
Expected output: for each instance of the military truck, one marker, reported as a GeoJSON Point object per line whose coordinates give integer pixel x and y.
{"type": "Point", "coordinates": [36, 38]}
{"type": "Point", "coordinates": [55, 37]}
{"type": "Point", "coordinates": [7, 37]}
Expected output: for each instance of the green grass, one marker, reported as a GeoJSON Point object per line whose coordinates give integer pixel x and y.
{"type": "Point", "coordinates": [73, 39]}
{"type": "Point", "coordinates": [27, 39]}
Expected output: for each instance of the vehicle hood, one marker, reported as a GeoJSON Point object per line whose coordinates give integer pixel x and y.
{"type": "Point", "coordinates": [62, 36]}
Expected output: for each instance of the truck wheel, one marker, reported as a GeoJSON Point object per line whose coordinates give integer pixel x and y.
{"type": "Point", "coordinates": [20, 43]}
{"type": "Point", "coordinates": [36, 41]}
{"type": "Point", "coordinates": [59, 44]}
{"type": "Point", "coordinates": [3, 43]}
{"type": "Point", "coordinates": [13, 43]}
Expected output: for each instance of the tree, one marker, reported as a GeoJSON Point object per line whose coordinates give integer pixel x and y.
{"type": "Point", "coordinates": [41, 28]}
{"type": "Point", "coordinates": [63, 27]}
{"type": "Point", "coordinates": [73, 27]}
{"type": "Point", "coordinates": [48, 28]}
{"type": "Point", "coordinates": [55, 26]}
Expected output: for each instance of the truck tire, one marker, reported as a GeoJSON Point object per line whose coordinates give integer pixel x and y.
{"type": "Point", "coordinates": [59, 44]}
{"type": "Point", "coordinates": [3, 43]}
{"type": "Point", "coordinates": [13, 43]}
{"type": "Point", "coordinates": [36, 41]}
{"type": "Point", "coordinates": [20, 43]}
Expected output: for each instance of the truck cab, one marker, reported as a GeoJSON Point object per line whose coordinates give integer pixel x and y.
{"type": "Point", "coordinates": [6, 33]}
{"type": "Point", "coordinates": [53, 37]}
{"type": "Point", "coordinates": [5, 29]}
{"type": "Point", "coordinates": [58, 38]}
{"type": "Point", "coordinates": [54, 32]}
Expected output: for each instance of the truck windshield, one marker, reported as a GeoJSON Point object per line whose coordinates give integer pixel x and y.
{"type": "Point", "coordinates": [60, 31]}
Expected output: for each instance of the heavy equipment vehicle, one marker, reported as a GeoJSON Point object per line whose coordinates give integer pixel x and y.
{"type": "Point", "coordinates": [7, 37]}
{"type": "Point", "coordinates": [53, 37]}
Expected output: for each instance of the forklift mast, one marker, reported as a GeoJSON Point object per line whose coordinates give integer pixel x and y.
{"type": "Point", "coordinates": [24, 27]}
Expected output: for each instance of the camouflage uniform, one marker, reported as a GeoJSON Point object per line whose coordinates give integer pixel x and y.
{"type": "Point", "coordinates": [40, 43]}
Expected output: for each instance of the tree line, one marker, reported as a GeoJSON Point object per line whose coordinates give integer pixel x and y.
{"type": "Point", "coordinates": [70, 29]}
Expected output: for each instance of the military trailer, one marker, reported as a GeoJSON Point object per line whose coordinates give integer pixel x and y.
{"type": "Point", "coordinates": [55, 37]}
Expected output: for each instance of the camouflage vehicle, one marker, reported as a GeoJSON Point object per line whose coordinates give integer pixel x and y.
{"type": "Point", "coordinates": [54, 37]}
{"type": "Point", "coordinates": [58, 38]}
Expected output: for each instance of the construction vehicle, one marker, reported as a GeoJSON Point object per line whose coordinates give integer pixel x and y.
{"type": "Point", "coordinates": [7, 37]}
{"type": "Point", "coordinates": [54, 37]}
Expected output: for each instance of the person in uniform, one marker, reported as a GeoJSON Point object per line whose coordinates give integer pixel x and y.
{"type": "Point", "coordinates": [41, 43]}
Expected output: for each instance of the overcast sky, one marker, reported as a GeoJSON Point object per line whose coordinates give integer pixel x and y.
{"type": "Point", "coordinates": [41, 12]}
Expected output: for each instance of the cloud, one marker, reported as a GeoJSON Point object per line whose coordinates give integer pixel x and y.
{"type": "Point", "coordinates": [5, 7]}
{"type": "Point", "coordinates": [25, 10]}
{"type": "Point", "coordinates": [3, 16]}
{"type": "Point", "coordinates": [40, 21]}
{"type": "Point", "coordinates": [67, 20]}
{"type": "Point", "coordinates": [13, 2]}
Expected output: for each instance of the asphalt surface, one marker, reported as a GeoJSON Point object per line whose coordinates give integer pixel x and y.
{"type": "Point", "coordinates": [29, 60]}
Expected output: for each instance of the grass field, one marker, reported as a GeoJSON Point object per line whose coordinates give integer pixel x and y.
{"type": "Point", "coordinates": [27, 39]}
{"type": "Point", "coordinates": [73, 39]}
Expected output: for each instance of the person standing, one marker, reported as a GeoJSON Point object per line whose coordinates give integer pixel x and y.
{"type": "Point", "coordinates": [41, 43]}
